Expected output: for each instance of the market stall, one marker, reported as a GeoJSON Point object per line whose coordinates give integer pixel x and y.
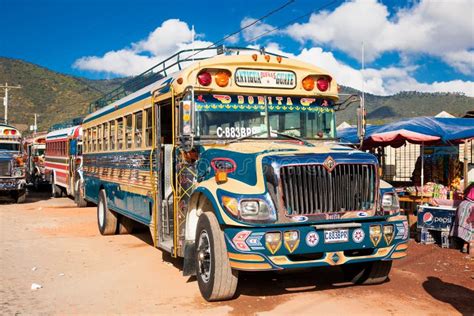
{"type": "Point", "coordinates": [438, 178]}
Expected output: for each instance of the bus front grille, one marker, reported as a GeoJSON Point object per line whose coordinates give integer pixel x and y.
{"type": "Point", "coordinates": [312, 189]}
{"type": "Point", "coordinates": [4, 168]}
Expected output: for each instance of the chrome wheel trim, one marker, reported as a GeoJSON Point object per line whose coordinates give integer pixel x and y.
{"type": "Point", "coordinates": [101, 214]}
{"type": "Point", "coordinates": [204, 257]}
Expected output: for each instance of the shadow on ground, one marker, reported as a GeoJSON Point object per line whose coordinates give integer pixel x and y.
{"type": "Point", "coordinates": [460, 297]}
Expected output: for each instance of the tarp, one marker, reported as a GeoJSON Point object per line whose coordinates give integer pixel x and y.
{"type": "Point", "coordinates": [427, 130]}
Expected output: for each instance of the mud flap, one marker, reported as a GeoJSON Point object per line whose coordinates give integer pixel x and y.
{"type": "Point", "coordinates": [189, 265]}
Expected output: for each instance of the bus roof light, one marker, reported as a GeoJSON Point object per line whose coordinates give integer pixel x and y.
{"type": "Point", "coordinates": [267, 58]}
{"type": "Point", "coordinates": [279, 59]}
{"type": "Point", "coordinates": [204, 78]}
{"type": "Point", "coordinates": [254, 57]}
{"type": "Point", "coordinates": [308, 83]}
{"type": "Point", "coordinates": [322, 84]}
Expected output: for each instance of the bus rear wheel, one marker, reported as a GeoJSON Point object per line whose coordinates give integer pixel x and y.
{"type": "Point", "coordinates": [106, 219]}
{"type": "Point", "coordinates": [56, 190]}
{"type": "Point", "coordinates": [374, 272]}
{"type": "Point", "coordinates": [216, 279]}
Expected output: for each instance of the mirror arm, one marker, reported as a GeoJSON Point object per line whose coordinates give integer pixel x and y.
{"type": "Point", "coordinates": [352, 98]}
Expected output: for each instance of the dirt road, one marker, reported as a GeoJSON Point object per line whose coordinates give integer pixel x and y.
{"type": "Point", "coordinates": [52, 243]}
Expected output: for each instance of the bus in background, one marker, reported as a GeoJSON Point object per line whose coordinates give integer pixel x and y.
{"type": "Point", "coordinates": [233, 163]}
{"type": "Point", "coordinates": [35, 147]}
{"type": "Point", "coordinates": [12, 165]}
{"type": "Point", "coordinates": [63, 163]}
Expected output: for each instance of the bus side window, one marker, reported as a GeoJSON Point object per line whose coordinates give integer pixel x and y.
{"type": "Point", "coordinates": [94, 139]}
{"type": "Point", "coordinates": [120, 133]}
{"type": "Point", "coordinates": [138, 129]}
{"type": "Point", "coordinates": [112, 135]}
{"type": "Point", "coordinates": [105, 137]}
{"type": "Point", "coordinates": [148, 128]}
{"type": "Point", "coordinates": [128, 131]}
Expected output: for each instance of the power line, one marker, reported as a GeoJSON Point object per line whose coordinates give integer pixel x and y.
{"type": "Point", "coordinates": [293, 20]}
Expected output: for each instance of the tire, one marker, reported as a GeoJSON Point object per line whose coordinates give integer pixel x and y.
{"type": "Point", "coordinates": [125, 225]}
{"type": "Point", "coordinates": [106, 219]}
{"type": "Point", "coordinates": [216, 279]}
{"type": "Point", "coordinates": [78, 197]}
{"type": "Point", "coordinates": [374, 272]}
{"type": "Point", "coordinates": [56, 190]}
{"type": "Point", "coordinates": [21, 197]}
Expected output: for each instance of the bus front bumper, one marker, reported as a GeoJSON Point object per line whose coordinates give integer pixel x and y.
{"type": "Point", "coordinates": [12, 184]}
{"type": "Point", "coordinates": [308, 246]}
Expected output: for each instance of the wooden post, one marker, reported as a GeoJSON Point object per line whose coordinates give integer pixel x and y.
{"type": "Point", "coordinates": [466, 176]}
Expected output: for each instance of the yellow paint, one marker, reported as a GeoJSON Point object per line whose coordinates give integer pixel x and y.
{"type": "Point", "coordinates": [398, 255]}
{"type": "Point", "coordinates": [250, 266]}
{"type": "Point", "coordinates": [245, 257]}
{"type": "Point", "coordinates": [403, 246]}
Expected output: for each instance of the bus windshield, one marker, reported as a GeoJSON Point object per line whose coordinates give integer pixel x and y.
{"type": "Point", "coordinates": [228, 117]}
{"type": "Point", "coordinates": [9, 147]}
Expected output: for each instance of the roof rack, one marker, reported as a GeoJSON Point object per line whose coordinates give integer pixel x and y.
{"type": "Point", "coordinates": [161, 70]}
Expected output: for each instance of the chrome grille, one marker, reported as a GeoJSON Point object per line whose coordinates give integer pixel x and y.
{"type": "Point", "coordinates": [4, 168]}
{"type": "Point", "coordinates": [311, 189]}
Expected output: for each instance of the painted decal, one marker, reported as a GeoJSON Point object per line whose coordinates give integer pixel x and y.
{"type": "Point", "coordinates": [375, 234]}
{"type": "Point", "coordinates": [312, 239]}
{"type": "Point", "coordinates": [254, 241]}
{"type": "Point", "coordinates": [358, 235]}
{"type": "Point", "coordinates": [329, 164]}
{"type": "Point", "coordinates": [402, 230]}
{"type": "Point", "coordinates": [292, 240]}
{"type": "Point", "coordinates": [428, 218]}
{"type": "Point", "coordinates": [299, 219]}
{"type": "Point", "coordinates": [262, 78]}
{"type": "Point", "coordinates": [362, 214]}
{"type": "Point", "coordinates": [239, 240]}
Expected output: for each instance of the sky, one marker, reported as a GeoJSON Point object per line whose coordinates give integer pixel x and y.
{"type": "Point", "coordinates": [425, 45]}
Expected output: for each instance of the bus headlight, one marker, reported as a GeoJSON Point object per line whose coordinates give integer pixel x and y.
{"type": "Point", "coordinates": [390, 203]}
{"type": "Point", "coordinates": [252, 210]}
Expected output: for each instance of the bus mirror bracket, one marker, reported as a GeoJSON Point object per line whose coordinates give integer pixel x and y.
{"type": "Point", "coordinates": [350, 99]}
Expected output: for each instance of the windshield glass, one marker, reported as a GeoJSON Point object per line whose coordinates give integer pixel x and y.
{"type": "Point", "coordinates": [39, 151]}
{"type": "Point", "coordinates": [230, 116]}
{"type": "Point", "coordinates": [10, 146]}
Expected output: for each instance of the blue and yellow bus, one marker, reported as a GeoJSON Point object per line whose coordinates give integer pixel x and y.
{"type": "Point", "coordinates": [233, 163]}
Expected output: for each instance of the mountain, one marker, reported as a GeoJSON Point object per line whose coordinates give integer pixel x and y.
{"type": "Point", "coordinates": [58, 97]}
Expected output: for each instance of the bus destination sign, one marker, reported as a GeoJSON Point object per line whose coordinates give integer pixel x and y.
{"type": "Point", "coordinates": [264, 78]}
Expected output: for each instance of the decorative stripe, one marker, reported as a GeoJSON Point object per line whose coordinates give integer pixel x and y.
{"type": "Point", "coordinates": [245, 257]}
{"type": "Point", "coordinates": [397, 255]}
{"type": "Point", "coordinates": [403, 246]}
{"type": "Point", "coordinates": [250, 266]}
{"type": "Point", "coordinates": [56, 166]}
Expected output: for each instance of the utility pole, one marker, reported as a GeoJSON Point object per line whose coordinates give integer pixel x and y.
{"type": "Point", "coordinates": [5, 98]}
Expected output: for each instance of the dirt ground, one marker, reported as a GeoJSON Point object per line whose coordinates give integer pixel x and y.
{"type": "Point", "coordinates": [52, 243]}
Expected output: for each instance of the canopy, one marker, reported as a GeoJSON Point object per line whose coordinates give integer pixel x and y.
{"type": "Point", "coordinates": [427, 130]}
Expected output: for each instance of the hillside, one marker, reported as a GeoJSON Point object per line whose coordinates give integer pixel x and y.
{"type": "Point", "coordinates": [57, 97]}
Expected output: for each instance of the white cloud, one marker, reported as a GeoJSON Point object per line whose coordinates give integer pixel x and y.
{"type": "Point", "coordinates": [173, 35]}
{"type": "Point", "coordinates": [256, 30]}
{"type": "Point", "coordinates": [384, 81]}
{"type": "Point", "coordinates": [444, 29]}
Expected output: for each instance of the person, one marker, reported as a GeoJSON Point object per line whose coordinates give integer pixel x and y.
{"type": "Point", "coordinates": [464, 221]}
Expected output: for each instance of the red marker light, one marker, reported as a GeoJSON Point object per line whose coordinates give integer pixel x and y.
{"type": "Point", "coordinates": [204, 78]}
{"type": "Point", "coordinates": [322, 84]}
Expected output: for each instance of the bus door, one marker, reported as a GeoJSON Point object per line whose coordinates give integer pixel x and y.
{"type": "Point", "coordinates": [164, 170]}
{"type": "Point", "coordinates": [72, 152]}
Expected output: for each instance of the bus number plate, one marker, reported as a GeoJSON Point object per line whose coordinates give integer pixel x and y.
{"type": "Point", "coordinates": [336, 235]}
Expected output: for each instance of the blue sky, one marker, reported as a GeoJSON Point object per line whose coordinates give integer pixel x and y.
{"type": "Point", "coordinates": [410, 45]}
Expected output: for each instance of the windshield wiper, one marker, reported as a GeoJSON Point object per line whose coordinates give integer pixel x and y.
{"type": "Point", "coordinates": [292, 137]}
{"type": "Point", "coordinates": [243, 137]}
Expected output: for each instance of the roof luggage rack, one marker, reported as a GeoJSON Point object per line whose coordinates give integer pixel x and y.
{"type": "Point", "coordinates": [162, 69]}
{"type": "Point", "coordinates": [69, 123]}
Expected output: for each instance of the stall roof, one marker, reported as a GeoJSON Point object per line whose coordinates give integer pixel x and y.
{"type": "Point", "coordinates": [416, 130]}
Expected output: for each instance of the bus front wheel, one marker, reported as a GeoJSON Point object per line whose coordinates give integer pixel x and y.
{"type": "Point", "coordinates": [216, 279]}
{"type": "Point", "coordinates": [106, 219]}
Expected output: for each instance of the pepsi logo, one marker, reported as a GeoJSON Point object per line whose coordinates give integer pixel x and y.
{"type": "Point", "coordinates": [428, 218]}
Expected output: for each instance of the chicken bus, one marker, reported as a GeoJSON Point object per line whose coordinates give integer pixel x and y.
{"type": "Point", "coordinates": [63, 163]}
{"type": "Point", "coordinates": [232, 161]}
{"type": "Point", "coordinates": [35, 146]}
{"type": "Point", "coordinates": [12, 164]}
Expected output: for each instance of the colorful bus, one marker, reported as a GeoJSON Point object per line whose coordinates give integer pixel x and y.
{"type": "Point", "coordinates": [63, 163]}
{"type": "Point", "coordinates": [35, 147]}
{"type": "Point", "coordinates": [233, 163]}
{"type": "Point", "coordinates": [12, 164]}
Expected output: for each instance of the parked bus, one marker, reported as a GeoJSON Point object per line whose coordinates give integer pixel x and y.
{"type": "Point", "coordinates": [63, 162]}
{"type": "Point", "coordinates": [233, 163]}
{"type": "Point", "coordinates": [35, 147]}
{"type": "Point", "coordinates": [12, 165]}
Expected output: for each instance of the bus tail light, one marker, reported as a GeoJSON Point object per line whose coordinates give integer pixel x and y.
{"type": "Point", "coordinates": [322, 84]}
{"type": "Point", "coordinates": [222, 78]}
{"type": "Point", "coordinates": [204, 78]}
{"type": "Point", "coordinates": [308, 83]}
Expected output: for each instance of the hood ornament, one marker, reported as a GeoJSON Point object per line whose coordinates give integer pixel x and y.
{"type": "Point", "coordinates": [329, 164]}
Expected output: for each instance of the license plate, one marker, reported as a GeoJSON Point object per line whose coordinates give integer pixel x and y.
{"type": "Point", "coordinates": [336, 235]}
